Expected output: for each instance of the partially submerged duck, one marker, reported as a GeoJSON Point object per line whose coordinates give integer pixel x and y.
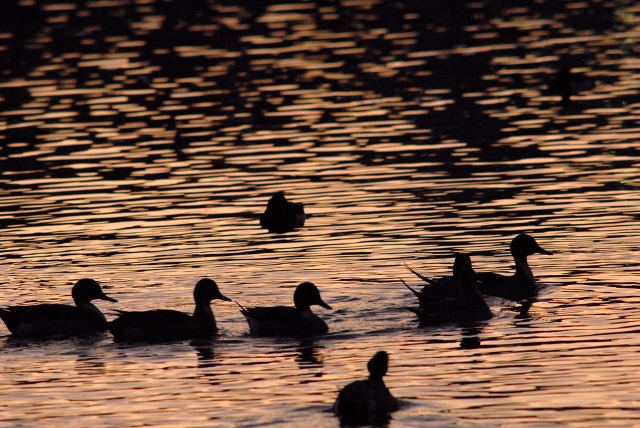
{"type": "Point", "coordinates": [520, 285]}
{"type": "Point", "coordinates": [281, 215]}
{"type": "Point", "coordinates": [299, 321]}
{"type": "Point", "coordinates": [52, 319]}
{"type": "Point", "coordinates": [469, 306]}
{"type": "Point", "coordinates": [366, 402]}
{"type": "Point", "coordinates": [446, 286]}
{"type": "Point", "coordinates": [165, 325]}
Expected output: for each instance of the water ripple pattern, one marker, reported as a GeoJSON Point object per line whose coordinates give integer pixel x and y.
{"type": "Point", "coordinates": [140, 141]}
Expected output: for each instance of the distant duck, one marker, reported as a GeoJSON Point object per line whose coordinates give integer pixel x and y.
{"type": "Point", "coordinates": [446, 286]}
{"type": "Point", "coordinates": [166, 325]}
{"type": "Point", "coordinates": [567, 83]}
{"type": "Point", "coordinates": [51, 319]}
{"type": "Point", "coordinates": [281, 215]}
{"type": "Point", "coordinates": [522, 284]}
{"type": "Point", "coordinates": [288, 321]}
{"type": "Point", "coordinates": [367, 402]}
{"type": "Point", "coordinates": [469, 306]}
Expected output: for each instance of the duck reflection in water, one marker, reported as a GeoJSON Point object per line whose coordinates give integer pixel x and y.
{"type": "Point", "coordinates": [471, 336]}
{"type": "Point", "coordinates": [206, 356]}
{"type": "Point", "coordinates": [566, 83]}
{"type": "Point", "coordinates": [446, 286]}
{"type": "Point", "coordinates": [367, 402]}
{"type": "Point", "coordinates": [281, 215]}
{"type": "Point", "coordinates": [309, 355]}
{"type": "Point", "coordinates": [57, 320]}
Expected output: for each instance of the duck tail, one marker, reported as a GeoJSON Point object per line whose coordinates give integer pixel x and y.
{"type": "Point", "coordinates": [417, 294]}
{"type": "Point", "coordinates": [243, 310]}
{"type": "Point", "coordinates": [5, 315]}
{"type": "Point", "coordinates": [422, 277]}
{"type": "Point", "coordinates": [414, 310]}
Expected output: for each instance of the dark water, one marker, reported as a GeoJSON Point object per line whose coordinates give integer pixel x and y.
{"type": "Point", "coordinates": [140, 141]}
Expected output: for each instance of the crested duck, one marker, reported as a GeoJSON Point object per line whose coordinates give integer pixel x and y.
{"type": "Point", "coordinates": [281, 215]}
{"type": "Point", "coordinates": [366, 402]}
{"type": "Point", "coordinates": [52, 319]}
{"type": "Point", "coordinates": [520, 285]}
{"type": "Point", "coordinates": [287, 321]}
{"type": "Point", "coordinates": [165, 325]}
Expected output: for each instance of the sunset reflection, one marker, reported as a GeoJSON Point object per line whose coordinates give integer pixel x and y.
{"type": "Point", "coordinates": [141, 141]}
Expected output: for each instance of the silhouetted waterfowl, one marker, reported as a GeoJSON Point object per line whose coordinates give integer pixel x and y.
{"type": "Point", "coordinates": [446, 286]}
{"type": "Point", "coordinates": [51, 319]}
{"type": "Point", "coordinates": [567, 83]}
{"type": "Point", "coordinates": [281, 215]}
{"type": "Point", "coordinates": [287, 321]}
{"type": "Point", "coordinates": [468, 306]}
{"type": "Point", "coordinates": [366, 402]}
{"type": "Point", "coordinates": [522, 284]}
{"type": "Point", "coordinates": [164, 325]}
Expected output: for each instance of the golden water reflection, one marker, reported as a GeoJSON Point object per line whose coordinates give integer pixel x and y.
{"type": "Point", "coordinates": [141, 141]}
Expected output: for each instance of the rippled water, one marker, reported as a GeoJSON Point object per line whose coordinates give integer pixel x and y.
{"type": "Point", "coordinates": [142, 139]}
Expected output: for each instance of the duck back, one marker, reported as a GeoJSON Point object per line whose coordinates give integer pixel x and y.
{"type": "Point", "coordinates": [51, 319]}
{"type": "Point", "coordinates": [365, 402]}
{"type": "Point", "coordinates": [159, 325]}
{"type": "Point", "coordinates": [283, 321]}
{"type": "Point", "coordinates": [516, 287]}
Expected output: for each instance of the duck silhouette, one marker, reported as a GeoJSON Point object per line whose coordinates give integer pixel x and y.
{"type": "Point", "coordinates": [520, 285]}
{"type": "Point", "coordinates": [298, 321]}
{"type": "Point", "coordinates": [166, 325]}
{"type": "Point", "coordinates": [51, 319]}
{"type": "Point", "coordinates": [367, 402]}
{"type": "Point", "coordinates": [468, 306]}
{"type": "Point", "coordinates": [446, 286]}
{"type": "Point", "coordinates": [281, 215]}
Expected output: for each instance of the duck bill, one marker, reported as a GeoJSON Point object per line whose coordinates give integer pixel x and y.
{"type": "Point", "coordinates": [225, 298]}
{"type": "Point", "coordinates": [543, 251]}
{"type": "Point", "coordinates": [323, 304]}
{"type": "Point", "coordinates": [108, 299]}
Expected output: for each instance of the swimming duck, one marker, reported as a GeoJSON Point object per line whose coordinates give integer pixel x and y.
{"type": "Point", "coordinates": [52, 319]}
{"type": "Point", "coordinates": [287, 321]}
{"type": "Point", "coordinates": [467, 307]}
{"type": "Point", "coordinates": [446, 286]}
{"type": "Point", "coordinates": [521, 285]}
{"type": "Point", "coordinates": [281, 215]}
{"type": "Point", "coordinates": [165, 325]}
{"type": "Point", "coordinates": [366, 402]}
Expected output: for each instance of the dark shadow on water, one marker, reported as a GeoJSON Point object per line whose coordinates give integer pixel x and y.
{"type": "Point", "coordinates": [471, 335]}
{"type": "Point", "coordinates": [309, 354]}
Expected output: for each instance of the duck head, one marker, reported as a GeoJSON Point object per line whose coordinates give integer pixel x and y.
{"type": "Point", "coordinates": [307, 294]}
{"type": "Point", "coordinates": [87, 290]}
{"type": "Point", "coordinates": [468, 282]}
{"type": "Point", "coordinates": [461, 262]}
{"type": "Point", "coordinates": [524, 245]}
{"type": "Point", "coordinates": [206, 290]}
{"type": "Point", "coordinates": [378, 365]}
{"type": "Point", "coordinates": [277, 201]}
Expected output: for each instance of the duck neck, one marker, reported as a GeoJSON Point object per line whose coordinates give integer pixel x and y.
{"type": "Point", "coordinates": [92, 309]}
{"type": "Point", "coordinates": [204, 313]}
{"type": "Point", "coordinates": [376, 378]}
{"type": "Point", "coordinates": [523, 271]}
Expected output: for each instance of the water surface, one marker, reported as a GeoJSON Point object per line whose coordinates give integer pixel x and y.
{"type": "Point", "coordinates": [142, 139]}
